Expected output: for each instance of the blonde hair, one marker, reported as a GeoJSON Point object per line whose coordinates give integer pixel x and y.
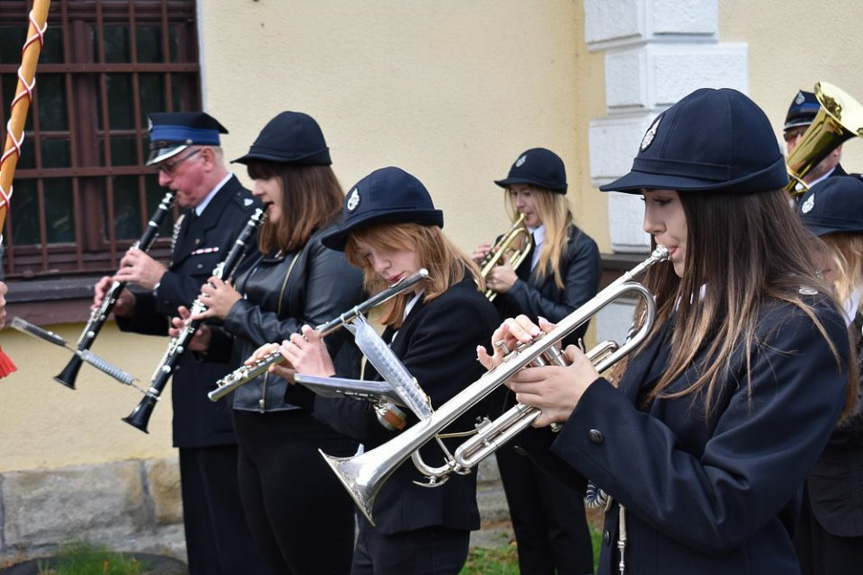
{"type": "Point", "coordinates": [845, 251]}
{"type": "Point", "coordinates": [446, 264]}
{"type": "Point", "coordinates": [553, 209]}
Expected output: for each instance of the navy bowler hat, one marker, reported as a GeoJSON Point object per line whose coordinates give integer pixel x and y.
{"type": "Point", "coordinates": [802, 110]}
{"type": "Point", "coordinates": [291, 138]}
{"type": "Point", "coordinates": [173, 132]}
{"type": "Point", "coordinates": [717, 140]}
{"type": "Point", "coordinates": [386, 196]}
{"type": "Point", "coordinates": [833, 205]}
{"type": "Point", "coordinates": [539, 167]}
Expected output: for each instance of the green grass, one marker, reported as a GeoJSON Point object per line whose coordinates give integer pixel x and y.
{"type": "Point", "coordinates": [498, 561]}
{"type": "Point", "coordinates": [87, 559]}
{"type": "Point", "coordinates": [504, 560]}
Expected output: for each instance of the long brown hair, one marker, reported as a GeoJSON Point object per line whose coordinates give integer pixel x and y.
{"type": "Point", "coordinates": [742, 249]}
{"type": "Point", "coordinates": [553, 209]}
{"type": "Point", "coordinates": [446, 264]}
{"type": "Point", "coordinates": [311, 199]}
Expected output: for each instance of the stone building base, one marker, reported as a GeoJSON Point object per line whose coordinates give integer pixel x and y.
{"type": "Point", "coordinates": [135, 506]}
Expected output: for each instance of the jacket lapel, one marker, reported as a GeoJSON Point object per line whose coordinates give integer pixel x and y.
{"type": "Point", "coordinates": [195, 229]}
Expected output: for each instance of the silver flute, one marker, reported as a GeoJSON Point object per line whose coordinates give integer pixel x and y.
{"type": "Point", "coordinates": [247, 373]}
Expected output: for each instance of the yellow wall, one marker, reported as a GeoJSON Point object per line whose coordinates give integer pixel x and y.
{"type": "Point", "coordinates": [793, 45]}
{"type": "Point", "coordinates": [46, 424]}
{"type": "Point", "coordinates": [452, 91]}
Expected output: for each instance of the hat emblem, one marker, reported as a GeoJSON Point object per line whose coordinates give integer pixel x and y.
{"type": "Point", "coordinates": [520, 162]}
{"type": "Point", "coordinates": [353, 200]}
{"type": "Point", "coordinates": [808, 204]}
{"type": "Point", "coordinates": [800, 98]}
{"type": "Point", "coordinates": [650, 134]}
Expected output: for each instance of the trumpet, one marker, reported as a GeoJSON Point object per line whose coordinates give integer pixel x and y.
{"type": "Point", "coordinates": [363, 475]}
{"type": "Point", "coordinates": [507, 245]}
{"type": "Point", "coordinates": [840, 118]}
{"type": "Point", "coordinates": [247, 373]}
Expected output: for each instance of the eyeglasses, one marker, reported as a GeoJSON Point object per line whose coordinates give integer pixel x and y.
{"type": "Point", "coordinates": [792, 134]}
{"type": "Point", "coordinates": [169, 168]}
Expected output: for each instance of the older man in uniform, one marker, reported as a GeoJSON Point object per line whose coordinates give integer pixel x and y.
{"type": "Point", "coordinates": [185, 147]}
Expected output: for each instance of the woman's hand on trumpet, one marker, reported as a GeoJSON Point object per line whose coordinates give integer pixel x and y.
{"type": "Point", "coordinates": [554, 390]}
{"type": "Point", "coordinates": [511, 333]}
{"type": "Point", "coordinates": [501, 277]}
{"type": "Point", "coordinates": [480, 252]}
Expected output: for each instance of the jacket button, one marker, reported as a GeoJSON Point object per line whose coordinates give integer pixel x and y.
{"type": "Point", "coordinates": [200, 266]}
{"type": "Point", "coordinates": [519, 449]}
{"type": "Point", "coordinates": [606, 537]}
{"type": "Point", "coordinates": [595, 436]}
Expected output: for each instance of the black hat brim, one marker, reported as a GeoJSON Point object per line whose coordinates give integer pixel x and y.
{"type": "Point", "coordinates": [336, 239]}
{"type": "Point", "coordinates": [531, 181]}
{"type": "Point", "coordinates": [771, 178]}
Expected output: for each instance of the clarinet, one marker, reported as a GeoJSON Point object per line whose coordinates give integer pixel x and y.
{"type": "Point", "coordinates": [99, 315]}
{"type": "Point", "coordinates": [247, 373]}
{"type": "Point", "coordinates": [140, 416]}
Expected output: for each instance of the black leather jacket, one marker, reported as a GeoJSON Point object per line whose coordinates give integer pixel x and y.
{"type": "Point", "coordinates": [281, 292]}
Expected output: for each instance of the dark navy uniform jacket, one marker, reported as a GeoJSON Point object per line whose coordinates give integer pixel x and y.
{"type": "Point", "coordinates": [536, 296]}
{"type": "Point", "coordinates": [201, 243]}
{"type": "Point", "coordinates": [437, 344]}
{"type": "Point", "coordinates": [715, 496]}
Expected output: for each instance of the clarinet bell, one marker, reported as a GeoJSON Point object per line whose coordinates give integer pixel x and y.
{"type": "Point", "coordinates": [140, 416]}
{"type": "Point", "coordinates": [70, 373]}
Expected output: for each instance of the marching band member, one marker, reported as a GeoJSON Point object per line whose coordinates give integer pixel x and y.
{"type": "Point", "coordinates": [705, 440]}
{"type": "Point", "coordinates": [829, 533]}
{"type": "Point", "coordinates": [560, 274]}
{"type": "Point", "coordinates": [301, 518]}
{"type": "Point", "coordinates": [185, 149]}
{"type": "Point", "coordinates": [391, 230]}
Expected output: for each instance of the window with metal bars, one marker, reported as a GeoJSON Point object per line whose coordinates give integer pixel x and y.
{"type": "Point", "coordinates": [82, 193]}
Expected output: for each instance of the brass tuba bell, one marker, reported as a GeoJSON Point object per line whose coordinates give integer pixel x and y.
{"type": "Point", "coordinates": [840, 118]}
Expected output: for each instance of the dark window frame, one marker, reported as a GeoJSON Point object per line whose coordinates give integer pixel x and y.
{"type": "Point", "coordinates": [54, 271]}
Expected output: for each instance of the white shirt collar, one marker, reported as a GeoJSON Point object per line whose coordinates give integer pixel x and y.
{"type": "Point", "coordinates": [199, 209]}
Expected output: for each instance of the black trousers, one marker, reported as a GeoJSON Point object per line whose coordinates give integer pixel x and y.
{"type": "Point", "coordinates": [301, 517]}
{"type": "Point", "coordinates": [427, 551]}
{"type": "Point", "coordinates": [218, 540]}
{"type": "Point", "coordinates": [547, 516]}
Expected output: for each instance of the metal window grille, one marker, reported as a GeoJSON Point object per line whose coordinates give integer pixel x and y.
{"type": "Point", "coordinates": [82, 193]}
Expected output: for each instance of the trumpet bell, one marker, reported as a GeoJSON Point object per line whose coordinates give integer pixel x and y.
{"type": "Point", "coordinates": [361, 479]}
{"type": "Point", "coordinates": [840, 118]}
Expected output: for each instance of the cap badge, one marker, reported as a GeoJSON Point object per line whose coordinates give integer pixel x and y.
{"type": "Point", "coordinates": [800, 98]}
{"type": "Point", "coordinates": [650, 134]}
{"type": "Point", "coordinates": [353, 200]}
{"type": "Point", "coordinates": [520, 162]}
{"type": "Point", "coordinates": [808, 204]}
